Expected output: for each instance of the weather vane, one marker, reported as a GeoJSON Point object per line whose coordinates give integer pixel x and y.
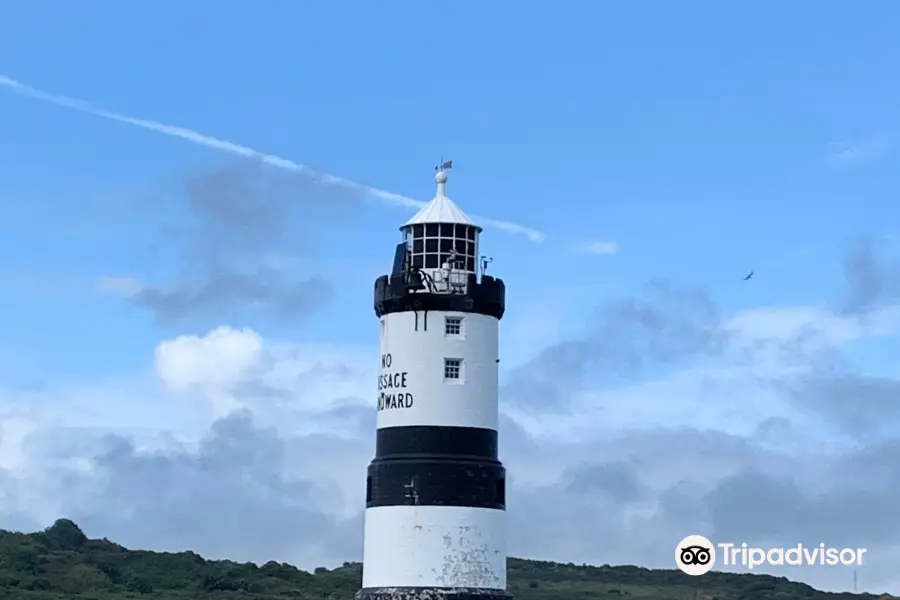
{"type": "Point", "coordinates": [444, 164]}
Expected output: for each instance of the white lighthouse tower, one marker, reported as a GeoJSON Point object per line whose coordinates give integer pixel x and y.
{"type": "Point", "coordinates": [436, 490]}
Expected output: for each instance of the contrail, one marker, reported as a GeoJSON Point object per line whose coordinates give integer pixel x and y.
{"type": "Point", "coordinates": [198, 138]}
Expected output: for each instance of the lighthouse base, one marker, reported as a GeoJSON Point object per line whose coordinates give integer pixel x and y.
{"type": "Point", "coordinates": [431, 593]}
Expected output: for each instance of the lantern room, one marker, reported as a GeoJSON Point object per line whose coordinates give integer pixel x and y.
{"type": "Point", "coordinates": [442, 236]}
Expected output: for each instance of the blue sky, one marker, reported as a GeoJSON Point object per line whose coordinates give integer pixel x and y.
{"type": "Point", "coordinates": [693, 136]}
{"type": "Point", "coordinates": [704, 139]}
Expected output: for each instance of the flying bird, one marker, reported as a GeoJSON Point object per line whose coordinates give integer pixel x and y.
{"type": "Point", "coordinates": [749, 276]}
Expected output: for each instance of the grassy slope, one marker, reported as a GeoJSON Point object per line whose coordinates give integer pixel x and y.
{"type": "Point", "coordinates": [60, 562]}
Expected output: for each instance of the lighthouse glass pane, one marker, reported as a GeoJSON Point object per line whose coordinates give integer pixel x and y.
{"type": "Point", "coordinates": [441, 240]}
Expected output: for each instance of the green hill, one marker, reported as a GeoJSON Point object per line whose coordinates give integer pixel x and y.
{"type": "Point", "coordinates": [61, 562]}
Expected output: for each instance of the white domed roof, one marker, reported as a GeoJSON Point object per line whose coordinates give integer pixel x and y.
{"type": "Point", "coordinates": [440, 209]}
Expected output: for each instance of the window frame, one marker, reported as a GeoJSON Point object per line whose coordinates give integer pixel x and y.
{"type": "Point", "coordinates": [460, 370]}
{"type": "Point", "coordinates": [448, 323]}
{"type": "Point", "coordinates": [429, 245]}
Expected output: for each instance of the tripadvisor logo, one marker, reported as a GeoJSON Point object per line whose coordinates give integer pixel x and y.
{"type": "Point", "coordinates": [696, 555]}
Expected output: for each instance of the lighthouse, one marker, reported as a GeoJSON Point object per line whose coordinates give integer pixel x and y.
{"type": "Point", "coordinates": [436, 489]}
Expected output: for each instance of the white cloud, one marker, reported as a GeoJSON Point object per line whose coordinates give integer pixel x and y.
{"type": "Point", "coordinates": [13, 432]}
{"type": "Point", "coordinates": [601, 247]}
{"type": "Point", "coordinates": [231, 369]}
{"type": "Point", "coordinates": [195, 137]}
{"type": "Point", "coordinates": [729, 394]}
{"type": "Point", "coordinates": [213, 364]}
{"type": "Point", "coordinates": [221, 358]}
{"type": "Point", "coordinates": [232, 423]}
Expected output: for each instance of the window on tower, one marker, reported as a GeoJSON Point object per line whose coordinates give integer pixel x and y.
{"type": "Point", "coordinates": [452, 368]}
{"type": "Point", "coordinates": [452, 325]}
{"type": "Point", "coordinates": [433, 244]}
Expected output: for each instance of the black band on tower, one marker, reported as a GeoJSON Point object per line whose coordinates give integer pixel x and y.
{"type": "Point", "coordinates": [431, 441]}
{"type": "Point", "coordinates": [418, 482]}
{"type": "Point", "coordinates": [422, 465]}
{"type": "Point", "coordinates": [486, 297]}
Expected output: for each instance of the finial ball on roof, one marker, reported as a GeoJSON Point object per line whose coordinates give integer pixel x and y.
{"type": "Point", "coordinates": [440, 177]}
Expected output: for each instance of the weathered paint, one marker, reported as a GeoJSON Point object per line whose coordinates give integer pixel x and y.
{"type": "Point", "coordinates": [434, 546]}
{"type": "Point", "coordinates": [432, 593]}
